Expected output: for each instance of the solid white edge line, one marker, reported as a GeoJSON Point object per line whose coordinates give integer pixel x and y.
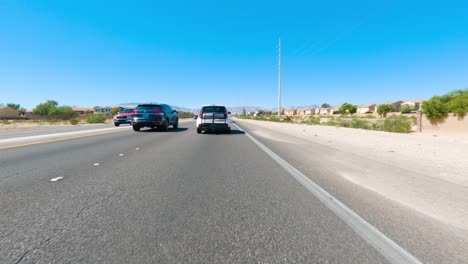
{"type": "Point", "coordinates": [384, 245]}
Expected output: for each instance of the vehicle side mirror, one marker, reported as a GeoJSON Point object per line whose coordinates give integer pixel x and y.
{"type": "Point", "coordinates": [229, 113]}
{"type": "Point", "coordinates": [174, 111]}
{"type": "Point", "coordinates": [195, 117]}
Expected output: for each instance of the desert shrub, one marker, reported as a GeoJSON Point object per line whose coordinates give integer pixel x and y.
{"type": "Point", "coordinates": [274, 118]}
{"type": "Point", "coordinates": [376, 126]}
{"type": "Point", "coordinates": [114, 110]}
{"type": "Point", "coordinates": [312, 121]}
{"type": "Point", "coordinates": [95, 118]}
{"type": "Point", "coordinates": [331, 122]}
{"type": "Point", "coordinates": [74, 121]}
{"type": "Point", "coordinates": [53, 120]}
{"type": "Point", "coordinates": [359, 123]}
{"type": "Point", "coordinates": [287, 119]}
{"type": "Point", "coordinates": [400, 124]}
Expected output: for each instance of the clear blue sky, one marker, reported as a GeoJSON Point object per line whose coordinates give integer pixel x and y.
{"type": "Point", "coordinates": [188, 53]}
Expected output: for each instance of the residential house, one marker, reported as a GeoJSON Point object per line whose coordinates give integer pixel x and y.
{"type": "Point", "coordinates": [258, 113]}
{"type": "Point", "coordinates": [300, 112]}
{"type": "Point", "coordinates": [396, 105]}
{"type": "Point", "coordinates": [366, 108]}
{"type": "Point", "coordinates": [325, 111]}
{"type": "Point", "coordinates": [317, 111]}
{"type": "Point", "coordinates": [334, 109]}
{"type": "Point", "coordinates": [102, 110]}
{"type": "Point", "coordinates": [414, 104]}
{"type": "Point", "coordinates": [309, 111]}
{"type": "Point", "coordinates": [290, 112]}
{"type": "Point", "coordinates": [8, 112]}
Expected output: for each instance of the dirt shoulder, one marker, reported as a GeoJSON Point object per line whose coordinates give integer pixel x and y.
{"type": "Point", "coordinates": [423, 172]}
{"type": "Point", "coordinates": [442, 157]}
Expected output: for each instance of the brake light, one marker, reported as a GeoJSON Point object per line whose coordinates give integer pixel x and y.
{"type": "Point", "coordinates": [134, 111]}
{"type": "Point", "coordinates": [200, 115]}
{"type": "Point", "coordinates": [225, 115]}
{"type": "Point", "coordinates": [158, 112]}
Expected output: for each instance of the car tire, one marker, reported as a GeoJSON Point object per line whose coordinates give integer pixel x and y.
{"type": "Point", "coordinates": [176, 125]}
{"type": "Point", "coordinates": [136, 128]}
{"type": "Point", "coordinates": [198, 131]}
{"type": "Point", "coordinates": [115, 124]}
{"type": "Point", "coordinates": [228, 131]}
{"type": "Point", "coordinates": [165, 126]}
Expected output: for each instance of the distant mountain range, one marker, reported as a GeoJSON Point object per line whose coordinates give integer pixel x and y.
{"type": "Point", "coordinates": [178, 108]}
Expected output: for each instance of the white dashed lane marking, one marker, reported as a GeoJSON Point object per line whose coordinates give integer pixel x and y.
{"type": "Point", "coordinates": [56, 179]}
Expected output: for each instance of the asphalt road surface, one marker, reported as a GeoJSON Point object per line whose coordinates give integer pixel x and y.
{"type": "Point", "coordinates": [181, 197]}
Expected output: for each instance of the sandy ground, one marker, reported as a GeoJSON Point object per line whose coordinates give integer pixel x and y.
{"type": "Point", "coordinates": [426, 173]}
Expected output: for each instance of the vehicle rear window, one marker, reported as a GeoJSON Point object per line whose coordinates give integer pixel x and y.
{"type": "Point", "coordinates": [148, 108]}
{"type": "Point", "coordinates": [153, 107]}
{"type": "Point", "coordinates": [214, 109]}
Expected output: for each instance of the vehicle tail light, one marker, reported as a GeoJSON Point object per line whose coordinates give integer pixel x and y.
{"type": "Point", "coordinates": [225, 115]}
{"type": "Point", "coordinates": [134, 111]}
{"type": "Point", "coordinates": [158, 112]}
{"type": "Point", "coordinates": [200, 115]}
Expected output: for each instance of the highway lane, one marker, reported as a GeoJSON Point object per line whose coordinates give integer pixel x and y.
{"type": "Point", "coordinates": [183, 197]}
{"type": "Point", "coordinates": [179, 197]}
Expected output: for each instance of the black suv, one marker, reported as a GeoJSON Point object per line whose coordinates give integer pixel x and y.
{"type": "Point", "coordinates": [154, 116]}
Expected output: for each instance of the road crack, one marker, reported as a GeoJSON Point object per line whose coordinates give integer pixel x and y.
{"type": "Point", "coordinates": [34, 248]}
{"type": "Point", "coordinates": [85, 208]}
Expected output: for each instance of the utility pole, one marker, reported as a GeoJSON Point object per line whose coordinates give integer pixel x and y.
{"type": "Point", "coordinates": [279, 78]}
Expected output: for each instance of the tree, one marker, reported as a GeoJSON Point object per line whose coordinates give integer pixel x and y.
{"type": "Point", "coordinates": [325, 105]}
{"type": "Point", "coordinates": [406, 108]}
{"type": "Point", "coordinates": [434, 108]}
{"type": "Point", "coordinates": [14, 106]}
{"type": "Point", "coordinates": [438, 107]}
{"type": "Point", "coordinates": [64, 111]}
{"type": "Point", "coordinates": [46, 108]}
{"type": "Point", "coordinates": [114, 110]}
{"type": "Point", "coordinates": [383, 109]}
{"type": "Point", "coordinates": [347, 109]}
{"type": "Point", "coordinates": [459, 106]}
